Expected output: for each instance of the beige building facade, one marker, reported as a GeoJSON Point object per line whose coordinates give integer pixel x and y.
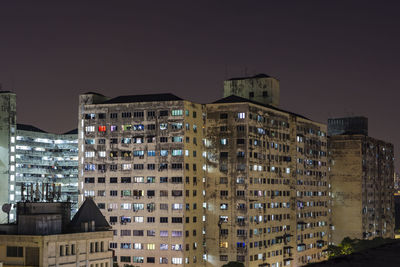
{"type": "Point", "coordinates": [267, 189]}
{"type": "Point", "coordinates": [361, 171]}
{"type": "Point", "coordinates": [141, 160]}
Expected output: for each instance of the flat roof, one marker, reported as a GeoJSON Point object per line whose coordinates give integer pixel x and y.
{"type": "Point", "coordinates": [142, 98]}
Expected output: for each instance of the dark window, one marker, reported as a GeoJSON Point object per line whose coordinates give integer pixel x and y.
{"type": "Point", "coordinates": [89, 180]}
{"type": "Point", "coordinates": [113, 115]}
{"type": "Point", "coordinates": [113, 180]}
{"type": "Point", "coordinates": [163, 112]}
{"type": "Point", "coordinates": [125, 179]}
{"type": "Point", "coordinates": [176, 219]}
{"type": "Point", "coordinates": [163, 179]}
{"type": "Point", "coordinates": [177, 180]}
{"type": "Point", "coordinates": [126, 114]}
{"type": "Point", "coordinates": [163, 219]}
{"type": "Point", "coordinates": [102, 115]}
{"type": "Point", "coordinates": [151, 260]}
{"type": "Point", "coordinates": [138, 114]}
{"type": "Point", "coordinates": [151, 127]}
{"type": "Point", "coordinates": [223, 154]}
{"type": "Point", "coordinates": [176, 166]}
{"type": "Point", "coordinates": [240, 141]}
{"type": "Point", "coordinates": [151, 113]}
{"type": "Point", "coordinates": [251, 94]}
{"type": "Point", "coordinates": [223, 115]}
{"type": "Point", "coordinates": [101, 180]}
{"type": "Point", "coordinates": [15, 251]}
{"type": "Point", "coordinates": [265, 93]}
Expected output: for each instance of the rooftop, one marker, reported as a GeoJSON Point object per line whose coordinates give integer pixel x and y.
{"type": "Point", "coordinates": [238, 99]}
{"type": "Point", "coordinates": [258, 76]}
{"type": "Point", "coordinates": [142, 98]}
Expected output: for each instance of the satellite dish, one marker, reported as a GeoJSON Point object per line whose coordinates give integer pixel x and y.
{"type": "Point", "coordinates": [6, 208]}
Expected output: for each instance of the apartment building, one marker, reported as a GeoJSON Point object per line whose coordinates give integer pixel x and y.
{"type": "Point", "coordinates": [361, 171]}
{"type": "Point", "coordinates": [141, 160]}
{"type": "Point", "coordinates": [267, 189]}
{"type": "Point", "coordinates": [44, 235]}
{"type": "Point", "coordinates": [32, 156]}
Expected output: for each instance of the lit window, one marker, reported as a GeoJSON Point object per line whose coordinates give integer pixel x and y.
{"type": "Point", "coordinates": [176, 260]}
{"type": "Point", "coordinates": [177, 152]}
{"type": "Point", "coordinates": [89, 154]}
{"type": "Point", "coordinates": [163, 126]}
{"type": "Point", "coordinates": [177, 112]}
{"type": "Point", "coordinates": [241, 115]}
{"type": "Point", "coordinates": [102, 128]}
{"type": "Point", "coordinates": [223, 244]}
{"type": "Point", "coordinates": [151, 246]}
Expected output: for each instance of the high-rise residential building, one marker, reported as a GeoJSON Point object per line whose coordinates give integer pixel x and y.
{"type": "Point", "coordinates": [361, 174]}
{"type": "Point", "coordinates": [44, 235]}
{"type": "Point", "coordinates": [141, 159]}
{"type": "Point", "coordinates": [267, 189]}
{"type": "Point", "coordinates": [201, 185]}
{"type": "Point", "coordinates": [32, 156]}
{"type": "Point", "coordinates": [260, 88]}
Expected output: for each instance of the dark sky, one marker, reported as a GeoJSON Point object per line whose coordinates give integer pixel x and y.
{"type": "Point", "coordinates": [333, 58]}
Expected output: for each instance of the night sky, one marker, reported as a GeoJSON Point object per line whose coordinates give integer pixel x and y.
{"type": "Point", "coordinates": [333, 58]}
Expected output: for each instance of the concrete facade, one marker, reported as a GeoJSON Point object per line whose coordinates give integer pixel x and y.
{"type": "Point", "coordinates": [260, 88]}
{"type": "Point", "coordinates": [361, 173]}
{"type": "Point", "coordinates": [32, 156]}
{"type": "Point", "coordinates": [267, 186]}
{"type": "Point", "coordinates": [141, 160]}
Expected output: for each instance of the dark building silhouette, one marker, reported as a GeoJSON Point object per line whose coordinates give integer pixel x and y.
{"type": "Point", "coordinates": [349, 125]}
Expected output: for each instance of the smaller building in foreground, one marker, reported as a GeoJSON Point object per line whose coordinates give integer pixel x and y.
{"type": "Point", "coordinates": [44, 236]}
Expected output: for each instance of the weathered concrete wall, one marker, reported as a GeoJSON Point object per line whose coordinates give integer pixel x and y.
{"type": "Point", "coordinates": [362, 187]}
{"type": "Point", "coordinates": [346, 180]}
{"type": "Point", "coordinates": [156, 138]}
{"type": "Point", "coordinates": [260, 88]}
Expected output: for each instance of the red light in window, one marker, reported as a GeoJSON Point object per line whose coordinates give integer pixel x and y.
{"type": "Point", "coordinates": [102, 128]}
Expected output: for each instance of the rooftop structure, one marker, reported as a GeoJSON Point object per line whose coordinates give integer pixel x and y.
{"type": "Point", "coordinates": [348, 125]}
{"type": "Point", "coordinates": [44, 235]}
{"type": "Point", "coordinates": [260, 88]}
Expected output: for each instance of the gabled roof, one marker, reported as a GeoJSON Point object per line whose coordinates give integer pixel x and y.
{"type": "Point", "coordinates": [27, 127]}
{"type": "Point", "coordinates": [142, 98]}
{"type": "Point", "coordinates": [89, 212]}
{"type": "Point", "coordinates": [238, 99]}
